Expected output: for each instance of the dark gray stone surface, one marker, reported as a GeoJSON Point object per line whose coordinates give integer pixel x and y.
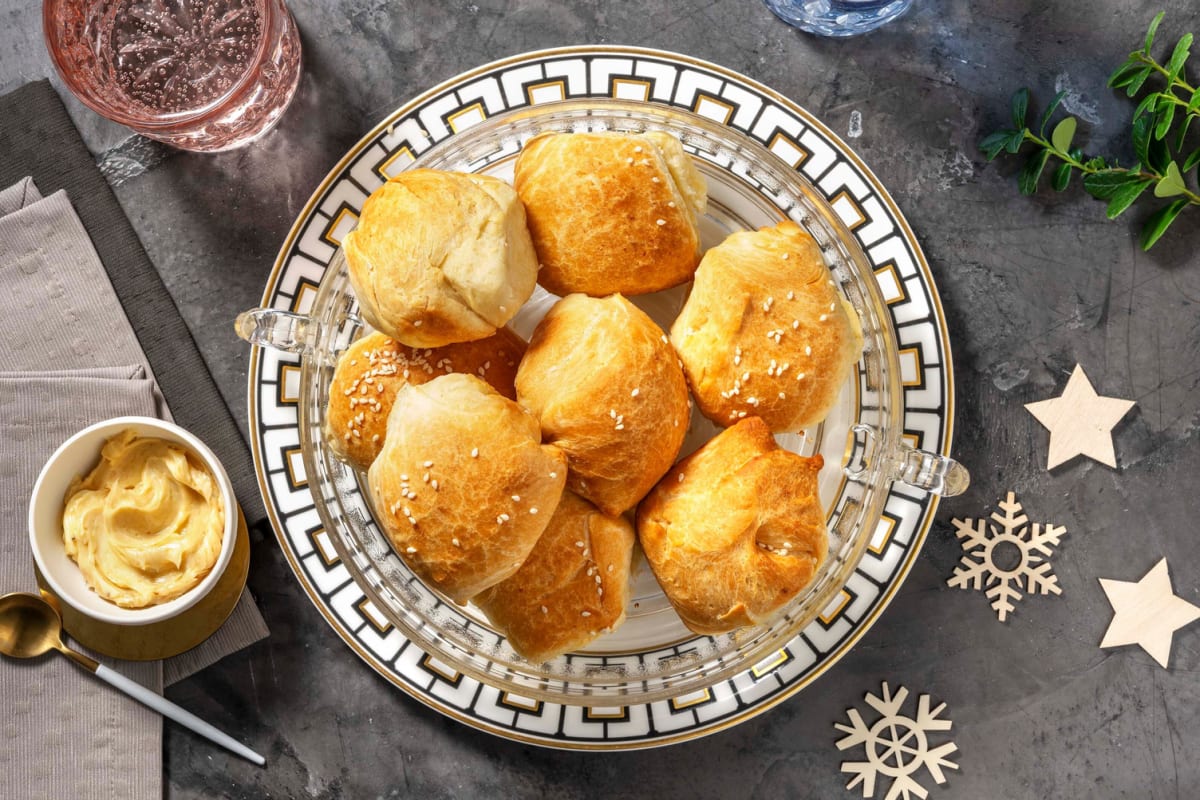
{"type": "Point", "coordinates": [1030, 287]}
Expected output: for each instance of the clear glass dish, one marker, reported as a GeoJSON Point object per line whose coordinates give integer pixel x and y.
{"type": "Point", "coordinates": [652, 656]}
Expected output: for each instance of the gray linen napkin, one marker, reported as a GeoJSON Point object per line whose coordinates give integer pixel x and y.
{"type": "Point", "coordinates": [63, 319]}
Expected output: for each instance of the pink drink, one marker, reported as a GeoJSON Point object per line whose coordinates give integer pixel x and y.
{"type": "Point", "coordinates": [197, 74]}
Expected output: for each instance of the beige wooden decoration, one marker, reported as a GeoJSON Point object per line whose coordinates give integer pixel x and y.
{"type": "Point", "coordinates": [1080, 422]}
{"type": "Point", "coordinates": [897, 746]}
{"type": "Point", "coordinates": [1028, 548]}
{"type": "Point", "coordinates": [1146, 613]}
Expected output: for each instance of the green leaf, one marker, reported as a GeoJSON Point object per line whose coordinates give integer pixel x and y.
{"type": "Point", "coordinates": [1020, 107]}
{"type": "Point", "coordinates": [1062, 177]}
{"type": "Point", "coordinates": [1164, 116]}
{"type": "Point", "coordinates": [1141, 137]}
{"type": "Point", "coordinates": [1194, 103]}
{"type": "Point", "coordinates": [1045, 118]}
{"type": "Point", "coordinates": [1147, 104]}
{"type": "Point", "coordinates": [1135, 85]}
{"type": "Point", "coordinates": [1027, 180]}
{"type": "Point", "coordinates": [1124, 197]}
{"type": "Point", "coordinates": [1122, 75]}
{"type": "Point", "coordinates": [1190, 163]}
{"type": "Point", "coordinates": [1183, 129]}
{"type": "Point", "coordinates": [1016, 140]}
{"type": "Point", "coordinates": [1182, 50]}
{"type": "Point", "coordinates": [993, 143]}
{"type": "Point", "coordinates": [1158, 154]}
{"type": "Point", "coordinates": [1064, 132]}
{"type": "Point", "coordinates": [1094, 163]}
{"type": "Point", "coordinates": [1152, 29]}
{"type": "Point", "coordinates": [1105, 185]}
{"type": "Point", "coordinates": [1171, 183]}
{"type": "Point", "coordinates": [1158, 223]}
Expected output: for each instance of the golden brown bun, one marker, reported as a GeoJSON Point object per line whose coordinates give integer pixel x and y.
{"type": "Point", "coordinates": [611, 212]}
{"type": "Point", "coordinates": [607, 388]}
{"type": "Point", "coordinates": [373, 369]}
{"type": "Point", "coordinates": [764, 332]}
{"type": "Point", "coordinates": [491, 489]}
{"type": "Point", "coordinates": [573, 587]}
{"type": "Point", "coordinates": [440, 257]}
{"type": "Point", "coordinates": [735, 530]}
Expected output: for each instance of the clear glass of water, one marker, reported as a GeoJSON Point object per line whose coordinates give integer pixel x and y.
{"type": "Point", "coordinates": [837, 17]}
{"type": "Point", "coordinates": [197, 74]}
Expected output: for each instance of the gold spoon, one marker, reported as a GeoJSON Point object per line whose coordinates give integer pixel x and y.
{"type": "Point", "coordinates": [31, 626]}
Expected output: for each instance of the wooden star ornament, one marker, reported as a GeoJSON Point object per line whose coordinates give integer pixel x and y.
{"type": "Point", "coordinates": [1147, 613]}
{"type": "Point", "coordinates": [1080, 422]}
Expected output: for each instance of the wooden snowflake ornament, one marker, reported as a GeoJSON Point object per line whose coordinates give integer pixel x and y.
{"type": "Point", "coordinates": [897, 746]}
{"type": "Point", "coordinates": [1147, 613]}
{"type": "Point", "coordinates": [1029, 544]}
{"type": "Point", "coordinates": [1080, 422]}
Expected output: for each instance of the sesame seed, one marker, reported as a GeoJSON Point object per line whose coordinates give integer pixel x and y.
{"type": "Point", "coordinates": [807, 350]}
{"type": "Point", "coordinates": [545, 610]}
{"type": "Point", "coordinates": [347, 436]}
{"type": "Point", "coordinates": [671, 204]}
{"type": "Point", "coordinates": [533, 509]}
{"type": "Point", "coordinates": [660, 222]}
{"type": "Point", "coordinates": [500, 520]}
{"type": "Point", "coordinates": [375, 438]}
{"type": "Point", "coordinates": [741, 414]}
{"type": "Point", "coordinates": [434, 484]}
{"type": "Point", "coordinates": [357, 435]}
{"type": "Point", "coordinates": [620, 426]}
{"type": "Point", "coordinates": [404, 478]}
{"type": "Point", "coordinates": [455, 542]}
{"type": "Point", "coordinates": [752, 401]}
{"type": "Point", "coordinates": [425, 477]}
{"type": "Point", "coordinates": [417, 323]}
{"type": "Point", "coordinates": [635, 393]}
{"type": "Point", "coordinates": [654, 179]}
{"type": "Point", "coordinates": [579, 544]}
{"type": "Point", "coordinates": [407, 513]}
{"type": "Point", "coordinates": [680, 478]}
{"type": "Point", "coordinates": [785, 256]}
{"type": "Point", "coordinates": [795, 324]}
{"type": "Point", "coordinates": [553, 475]}
{"type": "Point", "coordinates": [612, 412]}
{"type": "Point", "coordinates": [745, 377]}
{"type": "Point", "coordinates": [782, 396]}
{"type": "Point", "coordinates": [823, 317]}
{"type": "Point", "coordinates": [791, 295]}
{"type": "Point", "coordinates": [597, 579]}
{"type": "Point", "coordinates": [585, 613]}
{"type": "Point", "coordinates": [428, 464]}
{"type": "Point", "coordinates": [800, 376]}
{"type": "Point", "coordinates": [516, 498]}
{"type": "Point", "coordinates": [610, 566]}
{"type": "Point", "coordinates": [474, 452]}
{"type": "Point", "coordinates": [629, 160]}
{"type": "Point", "coordinates": [832, 306]}
{"type": "Point", "coordinates": [410, 549]}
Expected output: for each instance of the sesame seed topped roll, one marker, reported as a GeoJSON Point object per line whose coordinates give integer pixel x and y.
{"type": "Point", "coordinates": [573, 587]}
{"type": "Point", "coordinates": [373, 369]}
{"type": "Point", "coordinates": [611, 212]}
{"type": "Point", "coordinates": [606, 387]}
{"type": "Point", "coordinates": [764, 331]}
{"type": "Point", "coordinates": [463, 487]}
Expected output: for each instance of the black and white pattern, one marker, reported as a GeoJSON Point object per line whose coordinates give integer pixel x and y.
{"type": "Point", "coordinates": [801, 141]}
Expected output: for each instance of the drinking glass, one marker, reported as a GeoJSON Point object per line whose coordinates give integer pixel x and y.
{"type": "Point", "coordinates": [196, 74]}
{"type": "Point", "coordinates": [837, 17]}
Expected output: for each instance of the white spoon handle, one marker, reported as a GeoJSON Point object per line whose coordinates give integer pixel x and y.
{"type": "Point", "coordinates": [169, 709]}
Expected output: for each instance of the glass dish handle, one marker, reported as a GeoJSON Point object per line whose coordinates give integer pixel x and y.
{"type": "Point", "coordinates": [281, 330]}
{"type": "Point", "coordinates": [920, 468]}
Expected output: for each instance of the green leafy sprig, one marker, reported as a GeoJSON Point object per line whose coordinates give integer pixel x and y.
{"type": "Point", "coordinates": [1160, 135]}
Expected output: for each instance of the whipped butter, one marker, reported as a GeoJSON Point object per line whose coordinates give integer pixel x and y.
{"type": "Point", "coordinates": [146, 524]}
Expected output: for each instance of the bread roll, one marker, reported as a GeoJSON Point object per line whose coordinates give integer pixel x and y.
{"type": "Point", "coordinates": [373, 369]}
{"type": "Point", "coordinates": [611, 212]}
{"type": "Point", "coordinates": [463, 486]}
{"type": "Point", "coordinates": [573, 587]}
{"type": "Point", "coordinates": [440, 257]}
{"type": "Point", "coordinates": [764, 332]}
{"type": "Point", "coordinates": [603, 382]}
{"type": "Point", "coordinates": [735, 530]}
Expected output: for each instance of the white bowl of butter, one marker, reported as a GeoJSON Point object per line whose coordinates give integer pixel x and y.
{"type": "Point", "coordinates": [132, 520]}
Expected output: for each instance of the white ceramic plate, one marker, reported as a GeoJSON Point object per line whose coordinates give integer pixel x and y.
{"type": "Point", "coordinates": [756, 111]}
